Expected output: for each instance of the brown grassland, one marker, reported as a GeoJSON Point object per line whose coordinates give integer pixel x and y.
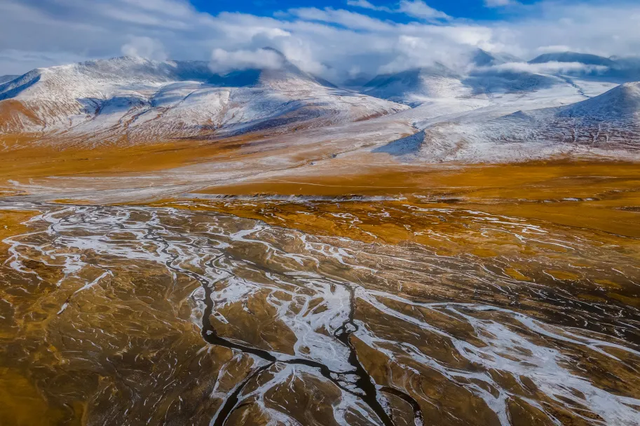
{"type": "Point", "coordinates": [595, 204]}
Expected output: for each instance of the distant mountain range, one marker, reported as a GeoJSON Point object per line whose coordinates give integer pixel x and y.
{"type": "Point", "coordinates": [136, 99]}
{"type": "Point", "coordinates": [608, 124]}
{"type": "Point", "coordinates": [417, 85]}
{"type": "Point", "coordinates": [566, 57]}
{"type": "Point", "coordinates": [613, 69]}
{"type": "Point", "coordinates": [490, 74]}
{"type": "Point", "coordinates": [498, 103]}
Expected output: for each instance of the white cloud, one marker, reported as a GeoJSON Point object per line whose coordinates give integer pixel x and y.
{"type": "Point", "coordinates": [342, 17]}
{"type": "Point", "coordinates": [223, 62]}
{"type": "Point", "coordinates": [414, 8]}
{"type": "Point", "coordinates": [145, 47]}
{"type": "Point", "coordinates": [329, 42]}
{"type": "Point", "coordinates": [365, 5]}
{"type": "Point", "coordinates": [421, 51]}
{"type": "Point", "coordinates": [555, 49]}
{"type": "Point", "coordinates": [552, 68]}
{"type": "Point", "coordinates": [499, 3]}
{"type": "Point", "coordinates": [606, 29]}
{"type": "Point", "coordinates": [419, 9]}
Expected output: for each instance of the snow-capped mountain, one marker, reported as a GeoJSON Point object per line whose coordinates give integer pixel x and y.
{"type": "Point", "coordinates": [138, 99]}
{"type": "Point", "coordinates": [573, 57]}
{"type": "Point", "coordinates": [482, 58]}
{"type": "Point", "coordinates": [417, 85]}
{"type": "Point", "coordinates": [488, 75]}
{"type": "Point", "coordinates": [611, 119]}
{"type": "Point", "coordinates": [594, 67]}
{"type": "Point", "coordinates": [621, 104]}
{"type": "Point", "coordinates": [498, 73]}
{"type": "Point", "coordinates": [495, 110]}
{"type": "Point", "coordinates": [606, 123]}
{"type": "Point", "coordinates": [495, 80]}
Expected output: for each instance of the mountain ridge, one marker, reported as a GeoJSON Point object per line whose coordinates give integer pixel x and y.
{"type": "Point", "coordinates": [414, 85]}
{"type": "Point", "coordinates": [583, 58]}
{"type": "Point", "coordinates": [608, 124]}
{"type": "Point", "coordinates": [150, 99]}
{"type": "Point", "coordinates": [132, 100]}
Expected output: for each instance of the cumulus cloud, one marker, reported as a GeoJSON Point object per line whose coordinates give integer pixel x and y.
{"type": "Point", "coordinates": [223, 62]}
{"type": "Point", "coordinates": [329, 42]}
{"type": "Point", "coordinates": [145, 47]}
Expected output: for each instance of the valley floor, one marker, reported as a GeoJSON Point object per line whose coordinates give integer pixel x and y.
{"type": "Point", "coordinates": [209, 284]}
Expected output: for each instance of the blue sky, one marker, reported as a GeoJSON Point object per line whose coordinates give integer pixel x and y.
{"type": "Point", "coordinates": [471, 9]}
{"type": "Point", "coordinates": [335, 39]}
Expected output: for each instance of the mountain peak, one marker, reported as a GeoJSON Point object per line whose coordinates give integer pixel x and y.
{"type": "Point", "coordinates": [482, 58]}
{"type": "Point", "coordinates": [413, 75]}
{"type": "Point", "coordinates": [582, 58]}
{"type": "Point", "coordinates": [276, 51]}
{"type": "Point", "coordinates": [414, 86]}
{"type": "Point", "coordinates": [621, 102]}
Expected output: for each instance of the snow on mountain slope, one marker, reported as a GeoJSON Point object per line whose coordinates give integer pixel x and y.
{"type": "Point", "coordinates": [137, 99]}
{"type": "Point", "coordinates": [619, 104]}
{"type": "Point", "coordinates": [495, 78]}
{"type": "Point", "coordinates": [64, 96]}
{"type": "Point", "coordinates": [611, 120]}
{"type": "Point", "coordinates": [482, 58]}
{"type": "Point", "coordinates": [418, 85]}
{"type": "Point", "coordinates": [496, 105]}
{"type": "Point", "coordinates": [608, 124]}
{"type": "Point", "coordinates": [493, 114]}
{"type": "Point", "coordinates": [493, 81]}
{"type": "Point", "coordinates": [498, 75]}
